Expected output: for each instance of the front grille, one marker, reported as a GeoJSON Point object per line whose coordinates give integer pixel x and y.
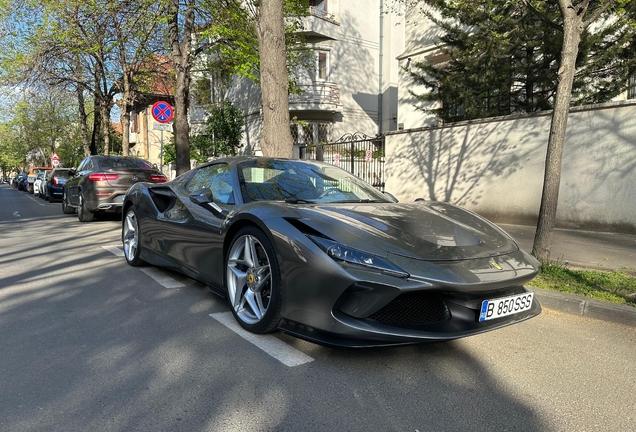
{"type": "Point", "coordinates": [413, 309]}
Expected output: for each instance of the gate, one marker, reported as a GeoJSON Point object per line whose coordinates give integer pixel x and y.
{"type": "Point", "coordinates": [361, 155]}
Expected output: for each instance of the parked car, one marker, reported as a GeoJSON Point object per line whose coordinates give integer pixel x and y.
{"type": "Point", "coordinates": [37, 184]}
{"type": "Point", "coordinates": [33, 175]}
{"type": "Point", "coordinates": [309, 248]}
{"type": "Point", "coordinates": [21, 182]}
{"type": "Point", "coordinates": [43, 184]}
{"type": "Point", "coordinates": [55, 184]}
{"type": "Point", "coordinates": [100, 182]}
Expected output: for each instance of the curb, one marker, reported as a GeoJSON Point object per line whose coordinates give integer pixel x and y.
{"type": "Point", "coordinates": [589, 308]}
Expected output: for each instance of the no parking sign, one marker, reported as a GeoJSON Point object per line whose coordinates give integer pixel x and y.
{"type": "Point", "coordinates": [162, 112]}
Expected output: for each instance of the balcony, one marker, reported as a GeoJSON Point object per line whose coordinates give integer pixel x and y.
{"type": "Point", "coordinates": [320, 12]}
{"type": "Point", "coordinates": [317, 93]}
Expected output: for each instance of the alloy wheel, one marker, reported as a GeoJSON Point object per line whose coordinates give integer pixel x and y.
{"type": "Point", "coordinates": [249, 279]}
{"type": "Point", "coordinates": [130, 236]}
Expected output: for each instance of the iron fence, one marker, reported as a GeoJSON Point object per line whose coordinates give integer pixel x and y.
{"type": "Point", "coordinates": [361, 155]}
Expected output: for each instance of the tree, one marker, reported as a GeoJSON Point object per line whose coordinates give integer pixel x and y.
{"type": "Point", "coordinates": [501, 57]}
{"type": "Point", "coordinates": [222, 137]}
{"type": "Point", "coordinates": [577, 16]}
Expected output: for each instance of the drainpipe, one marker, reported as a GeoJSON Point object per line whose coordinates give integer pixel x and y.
{"type": "Point", "coordinates": [380, 61]}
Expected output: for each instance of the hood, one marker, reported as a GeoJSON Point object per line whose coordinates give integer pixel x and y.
{"type": "Point", "coordinates": [430, 231]}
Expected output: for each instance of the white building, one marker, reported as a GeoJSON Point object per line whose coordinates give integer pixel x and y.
{"type": "Point", "coordinates": [354, 85]}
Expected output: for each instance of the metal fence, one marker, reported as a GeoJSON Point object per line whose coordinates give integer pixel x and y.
{"type": "Point", "coordinates": [361, 155]}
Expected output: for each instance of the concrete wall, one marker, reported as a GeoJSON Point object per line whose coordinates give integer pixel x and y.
{"type": "Point", "coordinates": [495, 167]}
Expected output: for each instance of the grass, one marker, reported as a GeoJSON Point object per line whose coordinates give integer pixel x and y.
{"type": "Point", "coordinates": [615, 286]}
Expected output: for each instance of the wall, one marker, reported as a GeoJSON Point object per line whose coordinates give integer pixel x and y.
{"type": "Point", "coordinates": [495, 167]}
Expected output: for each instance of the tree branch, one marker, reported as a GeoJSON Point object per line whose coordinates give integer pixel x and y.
{"type": "Point", "coordinates": [542, 17]}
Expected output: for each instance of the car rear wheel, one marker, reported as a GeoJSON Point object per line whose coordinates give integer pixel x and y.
{"type": "Point", "coordinates": [82, 214]}
{"type": "Point", "coordinates": [66, 209]}
{"type": "Point", "coordinates": [253, 281]}
{"type": "Point", "coordinates": [130, 236]}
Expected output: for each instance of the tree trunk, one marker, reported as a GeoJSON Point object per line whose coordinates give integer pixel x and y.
{"type": "Point", "coordinates": [572, 30]}
{"type": "Point", "coordinates": [276, 140]}
{"type": "Point", "coordinates": [97, 128]}
{"type": "Point", "coordinates": [83, 118]}
{"type": "Point", "coordinates": [182, 57]}
{"type": "Point", "coordinates": [125, 109]}
{"type": "Point", "coordinates": [125, 130]}
{"type": "Point", "coordinates": [180, 125]}
{"type": "Point", "coordinates": [104, 112]}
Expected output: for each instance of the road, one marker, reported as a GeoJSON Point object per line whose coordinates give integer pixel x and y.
{"type": "Point", "coordinates": [88, 343]}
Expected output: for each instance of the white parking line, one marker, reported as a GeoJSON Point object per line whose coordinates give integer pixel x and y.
{"type": "Point", "coordinates": [159, 276]}
{"type": "Point", "coordinates": [115, 250]}
{"type": "Point", "coordinates": [274, 347]}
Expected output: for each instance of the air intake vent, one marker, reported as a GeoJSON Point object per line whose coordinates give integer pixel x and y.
{"type": "Point", "coordinates": [412, 310]}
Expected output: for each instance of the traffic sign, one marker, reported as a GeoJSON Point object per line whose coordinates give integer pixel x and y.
{"type": "Point", "coordinates": [162, 112]}
{"type": "Point", "coordinates": [55, 160]}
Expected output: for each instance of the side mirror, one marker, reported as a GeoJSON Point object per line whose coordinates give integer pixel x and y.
{"type": "Point", "coordinates": [72, 172]}
{"type": "Point", "coordinates": [391, 197]}
{"type": "Point", "coordinates": [204, 197]}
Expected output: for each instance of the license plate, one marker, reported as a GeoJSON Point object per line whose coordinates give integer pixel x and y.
{"type": "Point", "coordinates": [501, 307]}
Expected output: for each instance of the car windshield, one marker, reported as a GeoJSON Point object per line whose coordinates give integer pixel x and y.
{"type": "Point", "coordinates": [302, 181]}
{"type": "Point", "coordinates": [124, 162]}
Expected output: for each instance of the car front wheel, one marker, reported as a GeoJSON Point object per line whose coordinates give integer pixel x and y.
{"type": "Point", "coordinates": [131, 236]}
{"type": "Point", "coordinates": [253, 281]}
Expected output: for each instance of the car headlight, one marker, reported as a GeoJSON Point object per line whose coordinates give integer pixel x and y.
{"type": "Point", "coordinates": [340, 252]}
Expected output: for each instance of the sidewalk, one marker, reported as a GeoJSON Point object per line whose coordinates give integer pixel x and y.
{"type": "Point", "coordinates": [585, 249]}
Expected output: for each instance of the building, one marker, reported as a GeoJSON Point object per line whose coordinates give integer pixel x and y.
{"type": "Point", "coordinates": [353, 86]}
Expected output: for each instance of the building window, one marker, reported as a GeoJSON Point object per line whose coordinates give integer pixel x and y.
{"type": "Point", "coordinates": [319, 6]}
{"type": "Point", "coordinates": [323, 65]}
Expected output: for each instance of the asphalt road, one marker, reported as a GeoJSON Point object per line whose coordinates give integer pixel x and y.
{"type": "Point", "coordinates": [88, 343]}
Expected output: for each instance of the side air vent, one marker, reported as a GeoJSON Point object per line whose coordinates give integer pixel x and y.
{"type": "Point", "coordinates": [163, 198]}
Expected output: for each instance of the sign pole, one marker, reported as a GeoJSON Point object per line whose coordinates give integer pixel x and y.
{"type": "Point", "coordinates": [161, 152]}
{"type": "Point", "coordinates": [162, 112]}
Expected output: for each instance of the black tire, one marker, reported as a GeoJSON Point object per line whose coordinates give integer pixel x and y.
{"type": "Point", "coordinates": [245, 284]}
{"type": "Point", "coordinates": [66, 209]}
{"type": "Point", "coordinates": [131, 237]}
{"type": "Point", "coordinates": [82, 213]}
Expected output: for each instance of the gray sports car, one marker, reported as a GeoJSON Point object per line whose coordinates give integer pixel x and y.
{"type": "Point", "coordinates": [308, 248]}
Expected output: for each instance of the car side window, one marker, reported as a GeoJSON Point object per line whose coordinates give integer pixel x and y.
{"type": "Point", "coordinates": [82, 166]}
{"type": "Point", "coordinates": [218, 179]}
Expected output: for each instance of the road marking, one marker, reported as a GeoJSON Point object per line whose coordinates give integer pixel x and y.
{"type": "Point", "coordinates": [35, 201]}
{"type": "Point", "coordinates": [274, 347]}
{"type": "Point", "coordinates": [16, 214]}
{"type": "Point", "coordinates": [161, 278]}
{"type": "Point", "coordinates": [153, 272]}
{"type": "Point", "coordinates": [115, 250]}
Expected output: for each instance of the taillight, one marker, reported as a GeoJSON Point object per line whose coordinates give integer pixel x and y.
{"type": "Point", "coordinates": [55, 181]}
{"type": "Point", "coordinates": [158, 178]}
{"type": "Point", "coordinates": [102, 177]}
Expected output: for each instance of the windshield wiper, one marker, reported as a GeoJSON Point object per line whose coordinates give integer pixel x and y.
{"type": "Point", "coordinates": [294, 200]}
{"type": "Point", "coordinates": [366, 200]}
